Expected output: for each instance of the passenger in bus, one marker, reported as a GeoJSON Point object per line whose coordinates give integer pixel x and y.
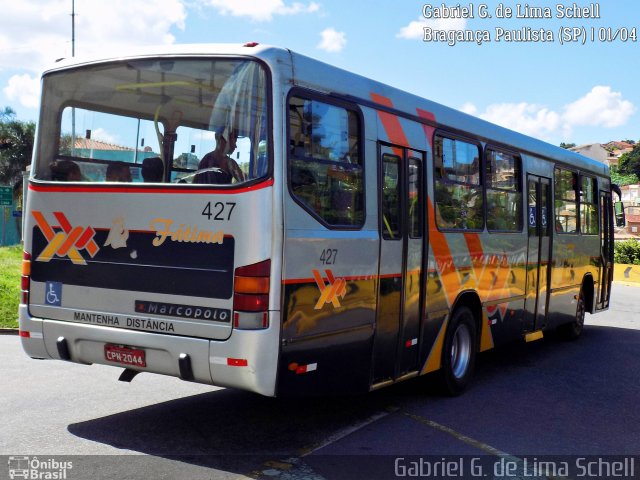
{"type": "Point", "coordinates": [219, 167]}
{"type": "Point", "coordinates": [118, 172]}
{"type": "Point", "coordinates": [152, 169]}
{"type": "Point", "coordinates": [65, 171]}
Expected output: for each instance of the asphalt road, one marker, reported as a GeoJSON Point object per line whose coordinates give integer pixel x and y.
{"type": "Point", "coordinates": [545, 398]}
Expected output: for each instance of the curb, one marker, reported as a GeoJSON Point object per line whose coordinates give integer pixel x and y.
{"type": "Point", "coordinates": [626, 273]}
{"type": "Point", "coordinates": [626, 283]}
{"type": "Point", "coordinates": [8, 331]}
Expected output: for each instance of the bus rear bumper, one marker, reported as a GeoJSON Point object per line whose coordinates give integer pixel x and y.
{"type": "Point", "coordinates": [247, 360]}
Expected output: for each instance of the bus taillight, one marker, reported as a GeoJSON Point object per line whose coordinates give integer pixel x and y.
{"type": "Point", "coordinates": [25, 280]}
{"type": "Point", "coordinates": [251, 296]}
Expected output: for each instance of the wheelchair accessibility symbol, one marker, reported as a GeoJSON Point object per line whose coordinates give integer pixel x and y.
{"type": "Point", "coordinates": [532, 216]}
{"type": "Point", "coordinates": [53, 294]}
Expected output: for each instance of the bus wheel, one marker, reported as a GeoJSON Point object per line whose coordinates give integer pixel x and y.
{"type": "Point", "coordinates": [571, 331]}
{"type": "Point", "coordinates": [459, 352]}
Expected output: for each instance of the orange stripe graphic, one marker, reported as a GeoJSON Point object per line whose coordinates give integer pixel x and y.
{"type": "Point", "coordinates": [67, 242]}
{"type": "Point", "coordinates": [85, 237]}
{"type": "Point", "coordinates": [337, 287]}
{"type": "Point", "coordinates": [391, 123]}
{"type": "Point", "coordinates": [48, 253]}
{"type": "Point", "coordinates": [428, 130]}
{"type": "Point", "coordinates": [64, 223]}
{"type": "Point", "coordinates": [44, 225]}
{"type": "Point", "coordinates": [476, 252]}
{"type": "Point", "coordinates": [444, 259]}
{"type": "Point", "coordinates": [449, 275]}
{"type": "Point", "coordinates": [71, 239]}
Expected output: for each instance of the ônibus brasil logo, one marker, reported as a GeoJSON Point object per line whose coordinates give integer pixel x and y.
{"type": "Point", "coordinates": [34, 468]}
{"type": "Point", "coordinates": [66, 243]}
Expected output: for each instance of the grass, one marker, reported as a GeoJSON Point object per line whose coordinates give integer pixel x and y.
{"type": "Point", "coordinates": [10, 267]}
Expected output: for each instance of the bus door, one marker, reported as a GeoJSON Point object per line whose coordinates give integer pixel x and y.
{"type": "Point", "coordinates": [606, 250]}
{"type": "Point", "coordinates": [538, 252]}
{"type": "Point", "coordinates": [401, 249]}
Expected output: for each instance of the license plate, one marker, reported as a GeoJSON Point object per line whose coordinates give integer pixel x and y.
{"type": "Point", "coordinates": [125, 355]}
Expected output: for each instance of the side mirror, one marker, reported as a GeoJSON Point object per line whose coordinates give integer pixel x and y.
{"type": "Point", "coordinates": [618, 208]}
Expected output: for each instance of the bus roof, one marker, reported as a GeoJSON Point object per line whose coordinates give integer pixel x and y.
{"type": "Point", "coordinates": [307, 72]}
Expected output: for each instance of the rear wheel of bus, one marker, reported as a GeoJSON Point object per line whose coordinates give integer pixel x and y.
{"type": "Point", "coordinates": [573, 330]}
{"type": "Point", "coordinates": [459, 352]}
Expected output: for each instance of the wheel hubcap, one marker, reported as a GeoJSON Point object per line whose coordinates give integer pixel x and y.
{"type": "Point", "coordinates": [460, 351]}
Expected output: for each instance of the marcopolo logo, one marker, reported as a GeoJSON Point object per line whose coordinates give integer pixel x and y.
{"type": "Point", "coordinates": [184, 311]}
{"type": "Point", "coordinates": [38, 469]}
{"type": "Point", "coordinates": [65, 243]}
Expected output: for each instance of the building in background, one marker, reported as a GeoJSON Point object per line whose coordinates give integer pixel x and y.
{"type": "Point", "coordinates": [593, 150]}
{"type": "Point", "coordinates": [630, 194]}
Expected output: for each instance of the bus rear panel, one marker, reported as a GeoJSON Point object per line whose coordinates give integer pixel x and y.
{"type": "Point", "coordinates": [139, 253]}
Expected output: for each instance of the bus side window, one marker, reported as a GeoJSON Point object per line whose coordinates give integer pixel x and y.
{"type": "Point", "coordinates": [504, 198]}
{"type": "Point", "coordinates": [588, 205]}
{"type": "Point", "coordinates": [566, 201]}
{"type": "Point", "coordinates": [458, 186]}
{"type": "Point", "coordinates": [325, 167]}
{"type": "Point", "coordinates": [391, 202]}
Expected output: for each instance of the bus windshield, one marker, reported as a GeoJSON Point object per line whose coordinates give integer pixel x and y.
{"type": "Point", "coordinates": [193, 121]}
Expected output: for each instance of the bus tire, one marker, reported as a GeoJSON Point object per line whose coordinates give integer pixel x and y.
{"type": "Point", "coordinates": [573, 330]}
{"type": "Point", "coordinates": [459, 352]}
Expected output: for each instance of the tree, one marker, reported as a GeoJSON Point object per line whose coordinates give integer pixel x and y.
{"type": "Point", "coordinates": [620, 179]}
{"type": "Point", "coordinates": [629, 162]}
{"type": "Point", "coordinates": [16, 146]}
{"type": "Point", "coordinates": [567, 145]}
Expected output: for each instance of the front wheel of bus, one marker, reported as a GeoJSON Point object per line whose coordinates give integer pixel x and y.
{"type": "Point", "coordinates": [459, 352]}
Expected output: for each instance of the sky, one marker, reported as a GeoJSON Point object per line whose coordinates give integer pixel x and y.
{"type": "Point", "coordinates": [521, 73]}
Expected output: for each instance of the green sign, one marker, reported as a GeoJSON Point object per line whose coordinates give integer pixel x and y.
{"type": "Point", "coordinates": [6, 196]}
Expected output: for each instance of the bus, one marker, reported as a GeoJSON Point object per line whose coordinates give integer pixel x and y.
{"type": "Point", "coordinates": [248, 217]}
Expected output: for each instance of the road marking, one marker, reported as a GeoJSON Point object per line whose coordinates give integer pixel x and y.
{"type": "Point", "coordinates": [340, 434]}
{"type": "Point", "coordinates": [458, 436]}
{"type": "Point", "coordinates": [484, 447]}
{"type": "Point", "coordinates": [295, 468]}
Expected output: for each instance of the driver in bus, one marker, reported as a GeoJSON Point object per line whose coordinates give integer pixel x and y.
{"type": "Point", "coordinates": [220, 167]}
